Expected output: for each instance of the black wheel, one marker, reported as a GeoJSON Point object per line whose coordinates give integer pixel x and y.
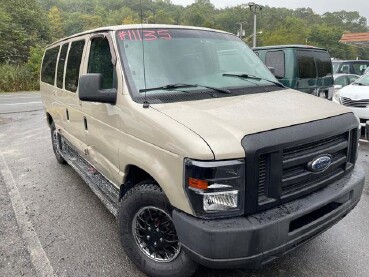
{"type": "Point", "coordinates": [55, 140]}
{"type": "Point", "coordinates": [148, 235]}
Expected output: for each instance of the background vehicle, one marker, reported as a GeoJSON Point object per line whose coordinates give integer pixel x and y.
{"type": "Point", "coordinates": [304, 68]}
{"type": "Point", "coordinates": [357, 67]}
{"type": "Point", "coordinates": [342, 80]}
{"type": "Point", "coordinates": [356, 97]}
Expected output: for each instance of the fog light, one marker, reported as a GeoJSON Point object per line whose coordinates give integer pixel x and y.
{"type": "Point", "coordinates": [220, 201]}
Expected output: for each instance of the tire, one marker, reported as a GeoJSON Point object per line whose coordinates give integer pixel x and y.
{"type": "Point", "coordinates": [55, 141]}
{"type": "Point", "coordinates": [146, 205]}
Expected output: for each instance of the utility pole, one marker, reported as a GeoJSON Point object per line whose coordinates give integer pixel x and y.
{"type": "Point", "coordinates": [255, 9]}
{"type": "Point", "coordinates": [240, 30]}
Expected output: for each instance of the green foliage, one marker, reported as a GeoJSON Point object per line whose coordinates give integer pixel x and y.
{"type": "Point", "coordinates": [17, 78]}
{"type": "Point", "coordinates": [23, 24]}
{"type": "Point", "coordinates": [56, 23]}
{"type": "Point", "coordinates": [35, 59]}
{"type": "Point", "coordinates": [27, 25]}
{"type": "Point", "coordinates": [290, 30]}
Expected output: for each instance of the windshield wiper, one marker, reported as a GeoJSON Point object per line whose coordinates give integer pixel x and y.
{"type": "Point", "coordinates": [250, 76]}
{"type": "Point", "coordinates": [179, 85]}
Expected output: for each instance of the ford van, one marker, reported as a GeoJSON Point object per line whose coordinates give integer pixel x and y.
{"type": "Point", "coordinates": [203, 156]}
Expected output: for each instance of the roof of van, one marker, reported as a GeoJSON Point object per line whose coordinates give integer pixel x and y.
{"type": "Point", "coordinates": [300, 46]}
{"type": "Point", "coordinates": [137, 26]}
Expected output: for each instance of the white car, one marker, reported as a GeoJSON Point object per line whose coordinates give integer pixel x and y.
{"type": "Point", "coordinates": [356, 97]}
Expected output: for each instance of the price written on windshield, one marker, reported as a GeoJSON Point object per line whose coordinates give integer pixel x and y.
{"type": "Point", "coordinates": [146, 35]}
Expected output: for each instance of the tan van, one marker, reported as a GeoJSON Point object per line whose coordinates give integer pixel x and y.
{"type": "Point", "coordinates": [200, 153]}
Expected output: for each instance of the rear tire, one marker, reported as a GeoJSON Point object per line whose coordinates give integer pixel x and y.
{"type": "Point", "coordinates": [55, 140]}
{"type": "Point", "coordinates": [148, 235]}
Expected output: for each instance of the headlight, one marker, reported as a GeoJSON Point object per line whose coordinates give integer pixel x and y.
{"type": "Point", "coordinates": [216, 188]}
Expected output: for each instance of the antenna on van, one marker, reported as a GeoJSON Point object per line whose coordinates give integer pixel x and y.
{"type": "Point", "coordinates": [145, 103]}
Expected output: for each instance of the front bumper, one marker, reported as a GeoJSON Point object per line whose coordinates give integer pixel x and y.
{"type": "Point", "coordinates": [254, 240]}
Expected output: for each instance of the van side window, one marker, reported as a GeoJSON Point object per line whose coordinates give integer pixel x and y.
{"type": "Point", "coordinates": [100, 61]}
{"type": "Point", "coordinates": [275, 59]}
{"type": "Point", "coordinates": [61, 63]}
{"type": "Point", "coordinates": [73, 65]}
{"type": "Point", "coordinates": [323, 64]}
{"type": "Point", "coordinates": [306, 65]}
{"type": "Point", "coordinates": [49, 65]}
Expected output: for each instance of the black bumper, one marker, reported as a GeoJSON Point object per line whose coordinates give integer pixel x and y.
{"type": "Point", "coordinates": [260, 238]}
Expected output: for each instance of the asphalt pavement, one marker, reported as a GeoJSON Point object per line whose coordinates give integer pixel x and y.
{"type": "Point", "coordinates": [19, 102]}
{"type": "Point", "coordinates": [52, 224]}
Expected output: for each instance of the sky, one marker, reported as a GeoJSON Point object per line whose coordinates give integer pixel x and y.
{"type": "Point", "coordinates": [320, 7]}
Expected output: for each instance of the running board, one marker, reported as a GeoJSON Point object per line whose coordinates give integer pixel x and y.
{"type": "Point", "coordinates": [102, 187]}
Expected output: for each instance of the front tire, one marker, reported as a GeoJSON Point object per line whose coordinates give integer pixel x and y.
{"type": "Point", "coordinates": [148, 235]}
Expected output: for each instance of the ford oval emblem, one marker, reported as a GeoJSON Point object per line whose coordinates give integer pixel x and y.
{"type": "Point", "coordinates": [320, 163]}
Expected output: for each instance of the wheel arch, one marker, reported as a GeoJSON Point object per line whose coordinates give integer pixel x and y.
{"type": "Point", "coordinates": [134, 175]}
{"type": "Point", "coordinates": [49, 119]}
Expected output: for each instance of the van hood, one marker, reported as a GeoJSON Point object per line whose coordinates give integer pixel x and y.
{"type": "Point", "coordinates": [223, 122]}
{"type": "Point", "coordinates": [355, 92]}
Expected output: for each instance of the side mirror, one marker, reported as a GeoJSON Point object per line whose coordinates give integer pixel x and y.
{"type": "Point", "coordinates": [90, 89]}
{"type": "Point", "coordinates": [337, 87]}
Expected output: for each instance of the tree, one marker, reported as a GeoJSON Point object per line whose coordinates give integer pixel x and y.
{"type": "Point", "coordinates": [56, 23]}
{"type": "Point", "coordinates": [91, 21]}
{"type": "Point", "coordinates": [291, 30]}
{"type": "Point", "coordinates": [23, 24]}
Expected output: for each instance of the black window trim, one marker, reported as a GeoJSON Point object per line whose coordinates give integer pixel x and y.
{"type": "Point", "coordinates": [68, 43]}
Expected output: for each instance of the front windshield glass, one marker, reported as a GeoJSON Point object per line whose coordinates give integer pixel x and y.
{"type": "Point", "coordinates": [362, 81]}
{"type": "Point", "coordinates": [184, 56]}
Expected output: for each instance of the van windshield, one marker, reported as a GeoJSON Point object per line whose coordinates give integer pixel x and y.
{"type": "Point", "coordinates": [191, 57]}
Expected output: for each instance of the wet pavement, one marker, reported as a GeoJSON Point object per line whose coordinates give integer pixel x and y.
{"type": "Point", "coordinates": [52, 223]}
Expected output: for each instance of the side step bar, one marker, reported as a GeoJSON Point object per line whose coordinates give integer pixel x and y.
{"type": "Point", "coordinates": [102, 187]}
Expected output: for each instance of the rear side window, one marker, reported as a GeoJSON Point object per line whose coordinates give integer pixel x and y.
{"type": "Point", "coordinates": [61, 63]}
{"type": "Point", "coordinates": [49, 65]}
{"type": "Point", "coordinates": [306, 64]}
{"type": "Point", "coordinates": [73, 65]}
{"type": "Point", "coordinates": [324, 64]}
{"type": "Point", "coordinates": [100, 61]}
{"type": "Point", "coordinates": [275, 59]}
{"type": "Point", "coordinates": [359, 68]}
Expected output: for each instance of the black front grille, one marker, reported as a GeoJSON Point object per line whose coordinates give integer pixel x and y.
{"type": "Point", "coordinates": [277, 160]}
{"type": "Point", "coordinates": [362, 103]}
{"type": "Point", "coordinates": [296, 176]}
{"type": "Point", "coordinates": [263, 176]}
{"type": "Point", "coordinates": [296, 179]}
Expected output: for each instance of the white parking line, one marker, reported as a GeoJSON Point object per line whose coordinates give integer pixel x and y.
{"type": "Point", "coordinates": [38, 256]}
{"type": "Point", "coordinates": [363, 140]}
{"type": "Point", "coordinates": [13, 104]}
{"type": "Point", "coordinates": [23, 97]}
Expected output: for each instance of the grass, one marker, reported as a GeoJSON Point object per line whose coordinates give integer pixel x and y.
{"type": "Point", "coordinates": [17, 78]}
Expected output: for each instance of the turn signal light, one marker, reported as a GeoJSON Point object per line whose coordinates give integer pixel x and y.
{"type": "Point", "coordinates": [197, 184]}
